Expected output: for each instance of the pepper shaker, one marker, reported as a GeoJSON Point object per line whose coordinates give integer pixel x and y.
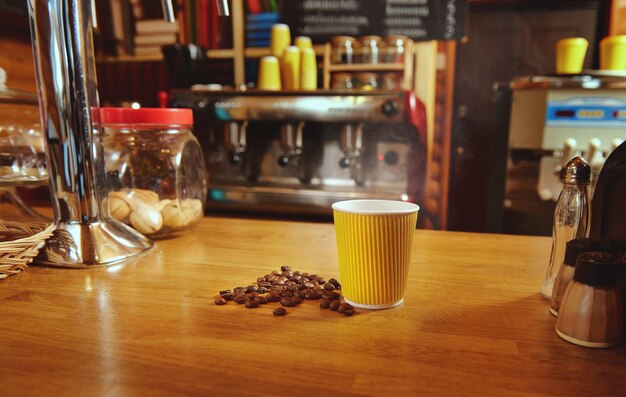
{"type": "Point", "coordinates": [573, 249]}
{"type": "Point", "coordinates": [591, 310]}
{"type": "Point", "coordinates": [571, 216]}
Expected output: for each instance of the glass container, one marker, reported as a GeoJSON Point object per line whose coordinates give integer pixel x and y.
{"type": "Point", "coordinates": [367, 81]}
{"type": "Point", "coordinates": [343, 49]}
{"type": "Point", "coordinates": [155, 169]}
{"type": "Point", "coordinates": [371, 49]}
{"type": "Point", "coordinates": [342, 81]}
{"type": "Point", "coordinates": [395, 48]}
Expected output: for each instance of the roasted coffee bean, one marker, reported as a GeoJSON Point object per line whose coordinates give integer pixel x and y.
{"type": "Point", "coordinates": [275, 273]}
{"type": "Point", "coordinates": [265, 284]}
{"type": "Point", "coordinates": [289, 301]}
{"type": "Point", "coordinates": [285, 268]}
{"type": "Point", "coordinates": [299, 294]}
{"type": "Point", "coordinates": [260, 279]}
{"type": "Point", "coordinates": [346, 309]}
{"type": "Point", "coordinates": [228, 297]}
{"type": "Point", "coordinates": [262, 290]}
{"type": "Point", "coordinates": [287, 294]}
{"type": "Point", "coordinates": [280, 311]}
{"type": "Point", "coordinates": [334, 305]}
{"type": "Point", "coordinates": [238, 290]}
{"type": "Point", "coordinates": [224, 292]}
{"type": "Point", "coordinates": [297, 273]}
{"type": "Point", "coordinates": [305, 274]}
{"type": "Point", "coordinates": [329, 287]}
{"type": "Point", "coordinates": [273, 297]}
{"type": "Point", "coordinates": [325, 303]}
{"type": "Point", "coordinates": [318, 288]}
{"type": "Point", "coordinates": [320, 280]}
{"type": "Point", "coordinates": [261, 299]}
{"type": "Point", "coordinates": [253, 294]}
{"type": "Point", "coordinates": [251, 288]}
{"type": "Point", "coordinates": [220, 301]}
{"type": "Point", "coordinates": [313, 295]}
{"type": "Point", "coordinates": [239, 299]}
{"type": "Point", "coordinates": [279, 282]}
{"type": "Point", "coordinates": [304, 279]}
{"type": "Point", "coordinates": [330, 295]}
{"type": "Point", "coordinates": [335, 283]}
{"type": "Point", "coordinates": [292, 288]}
{"type": "Point", "coordinates": [252, 303]}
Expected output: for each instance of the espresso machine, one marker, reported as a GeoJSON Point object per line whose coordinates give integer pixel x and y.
{"type": "Point", "coordinates": [298, 152]}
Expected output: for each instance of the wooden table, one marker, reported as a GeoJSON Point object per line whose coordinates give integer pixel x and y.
{"type": "Point", "coordinates": [473, 323]}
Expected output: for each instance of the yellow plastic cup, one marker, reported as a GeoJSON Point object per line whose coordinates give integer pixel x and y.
{"type": "Point", "coordinates": [613, 53]}
{"type": "Point", "coordinates": [280, 38]}
{"type": "Point", "coordinates": [570, 55]}
{"type": "Point", "coordinates": [374, 241]}
{"type": "Point", "coordinates": [303, 42]}
{"type": "Point", "coordinates": [269, 74]}
{"type": "Point", "coordinates": [308, 70]}
{"type": "Point", "coordinates": [290, 66]}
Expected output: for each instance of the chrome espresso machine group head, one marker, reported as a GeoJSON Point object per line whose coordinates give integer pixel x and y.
{"type": "Point", "coordinates": [298, 152]}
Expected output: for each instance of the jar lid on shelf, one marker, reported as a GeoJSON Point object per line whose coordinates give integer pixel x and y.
{"type": "Point", "coordinates": [146, 116]}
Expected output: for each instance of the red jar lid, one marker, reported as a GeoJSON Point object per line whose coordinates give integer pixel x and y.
{"type": "Point", "coordinates": [146, 116]}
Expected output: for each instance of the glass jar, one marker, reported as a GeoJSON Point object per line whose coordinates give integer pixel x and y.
{"type": "Point", "coordinates": [371, 49]}
{"type": "Point", "coordinates": [343, 49]}
{"type": "Point", "coordinates": [392, 81]}
{"type": "Point", "coordinates": [156, 173]}
{"type": "Point", "coordinates": [396, 47]}
{"type": "Point", "coordinates": [367, 81]}
{"type": "Point", "coordinates": [342, 81]}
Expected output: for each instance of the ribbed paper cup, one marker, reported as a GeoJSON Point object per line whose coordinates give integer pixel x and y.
{"type": "Point", "coordinates": [374, 240]}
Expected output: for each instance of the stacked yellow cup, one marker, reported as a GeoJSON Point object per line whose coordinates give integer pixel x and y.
{"type": "Point", "coordinates": [570, 55]}
{"type": "Point", "coordinates": [613, 53]}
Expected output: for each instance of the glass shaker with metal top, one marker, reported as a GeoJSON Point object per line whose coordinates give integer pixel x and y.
{"type": "Point", "coordinates": [571, 216]}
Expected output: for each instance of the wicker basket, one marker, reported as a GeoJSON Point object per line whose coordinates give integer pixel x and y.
{"type": "Point", "coordinates": [19, 244]}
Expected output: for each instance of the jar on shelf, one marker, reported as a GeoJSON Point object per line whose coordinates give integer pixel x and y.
{"type": "Point", "coordinates": [371, 49]}
{"type": "Point", "coordinates": [367, 81]}
{"type": "Point", "coordinates": [343, 49]}
{"type": "Point", "coordinates": [156, 173]}
{"type": "Point", "coordinates": [392, 81]}
{"type": "Point", "coordinates": [342, 81]}
{"type": "Point", "coordinates": [395, 49]}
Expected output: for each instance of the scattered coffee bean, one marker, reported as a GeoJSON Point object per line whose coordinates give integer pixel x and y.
{"type": "Point", "coordinates": [329, 287]}
{"type": "Point", "coordinates": [238, 290]}
{"type": "Point", "coordinates": [265, 284]}
{"type": "Point", "coordinates": [228, 297]}
{"type": "Point", "coordinates": [313, 295]}
{"type": "Point", "coordinates": [289, 301]}
{"type": "Point", "coordinates": [325, 303]}
{"type": "Point", "coordinates": [334, 305]}
{"type": "Point", "coordinates": [220, 301]}
{"type": "Point", "coordinates": [335, 283]}
{"type": "Point", "coordinates": [346, 309]}
{"type": "Point", "coordinates": [273, 297]}
{"type": "Point", "coordinates": [262, 290]}
{"type": "Point", "coordinates": [226, 291]}
{"type": "Point", "coordinates": [261, 299]}
{"type": "Point", "coordinates": [252, 303]}
{"type": "Point", "coordinates": [285, 268]}
{"type": "Point", "coordinates": [330, 295]}
{"type": "Point", "coordinates": [280, 311]}
{"type": "Point", "coordinates": [240, 299]}
{"type": "Point", "coordinates": [251, 288]}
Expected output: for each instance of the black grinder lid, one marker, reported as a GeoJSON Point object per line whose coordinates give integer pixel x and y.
{"type": "Point", "coordinates": [579, 246]}
{"type": "Point", "coordinates": [598, 269]}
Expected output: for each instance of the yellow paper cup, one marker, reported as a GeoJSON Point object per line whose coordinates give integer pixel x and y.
{"type": "Point", "coordinates": [613, 53]}
{"type": "Point", "coordinates": [269, 74]}
{"type": "Point", "coordinates": [303, 42]}
{"type": "Point", "coordinates": [374, 240]}
{"type": "Point", "coordinates": [570, 55]}
{"type": "Point", "coordinates": [280, 38]}
{"type": "Point", "coordinates": [308, 70]}
{"type": "Point", "coordinates": [290, 67]}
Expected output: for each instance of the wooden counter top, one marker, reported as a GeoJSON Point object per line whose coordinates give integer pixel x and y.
{"type": "Point", "coordinates": [473, 323]}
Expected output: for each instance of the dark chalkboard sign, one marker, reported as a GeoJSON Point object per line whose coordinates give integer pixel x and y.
{"type": "Point", "coordinates": [418, 19]}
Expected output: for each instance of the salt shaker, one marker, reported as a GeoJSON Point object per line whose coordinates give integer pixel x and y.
{"type": "Point", "coordinates": [571, 216]}
{"type": "Point", "coordinates": [573, 249]}
{"type": "Point", "coordinates": [591, 310]}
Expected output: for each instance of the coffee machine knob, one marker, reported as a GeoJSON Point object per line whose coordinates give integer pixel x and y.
{"type": "Point", "coordinates": [345, 162]}
{"type": "Point", "coordinates": [391, 157]}
{"type": "Point", "coordinates": [390, 108]}
{"type": "Point", "coordinates": [283, 161]}
{"type": "Point", "coordinates": [234, 158]}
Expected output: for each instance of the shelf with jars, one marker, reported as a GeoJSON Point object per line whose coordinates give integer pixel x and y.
{"type": "Point", "coordinates": [369, 62]}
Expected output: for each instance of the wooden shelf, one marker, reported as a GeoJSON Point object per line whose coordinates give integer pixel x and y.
{"type": "Point", "coordinates": [367, 67]}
